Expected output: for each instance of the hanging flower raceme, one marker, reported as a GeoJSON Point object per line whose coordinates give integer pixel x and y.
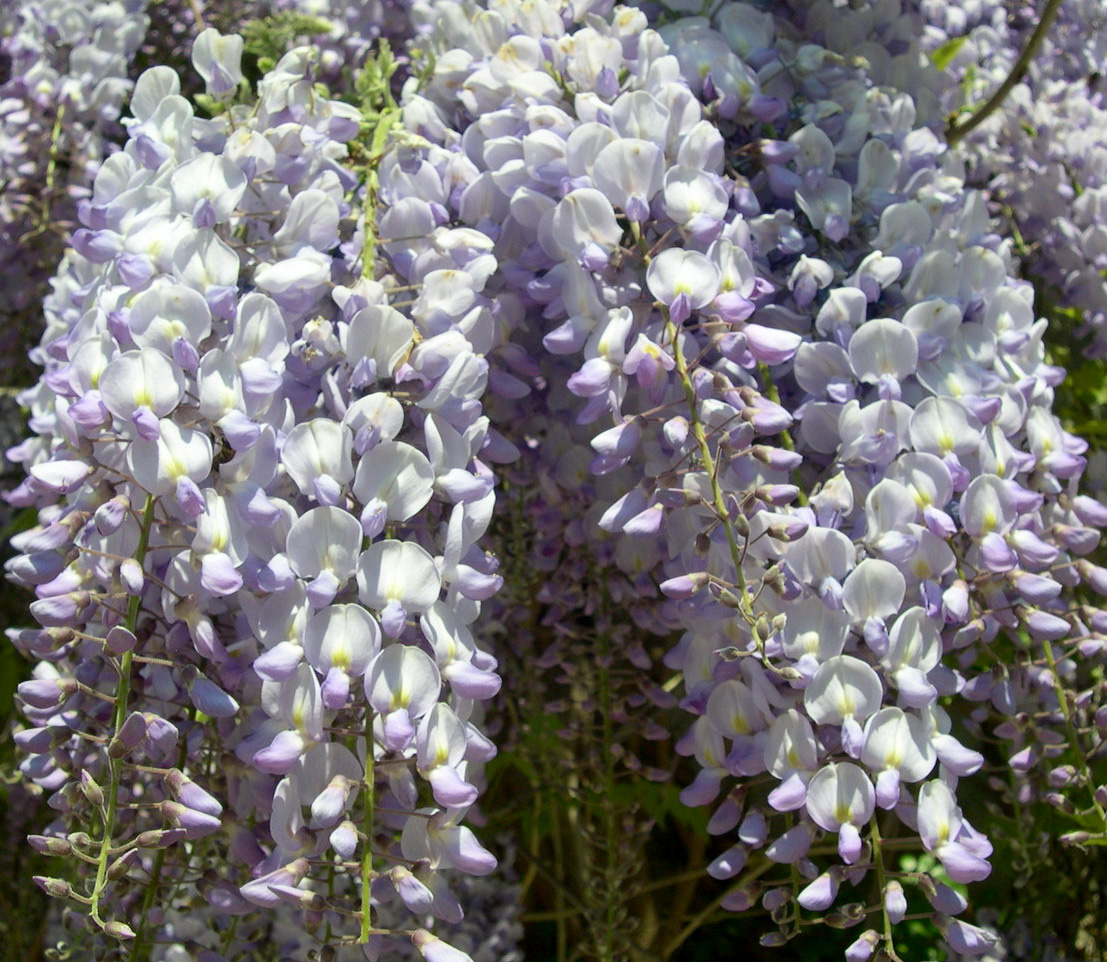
{"type": "Point", "coordinates": [240, 532]}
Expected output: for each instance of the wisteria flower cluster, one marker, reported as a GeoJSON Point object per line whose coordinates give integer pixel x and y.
{"type": "Point", "coordinates": [266, 485]}
{"type": "Point", "coordinates": [717, 308]}
{"type": "Point", "coordinates": [63, 79]}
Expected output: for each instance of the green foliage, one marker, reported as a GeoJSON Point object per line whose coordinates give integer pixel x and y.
{"type": "Point", "coordinates": [270, 38]}
{"type": "Point", "coordinates": [373, 84]}
{"type": "Point", "coordinates": [943, 56]}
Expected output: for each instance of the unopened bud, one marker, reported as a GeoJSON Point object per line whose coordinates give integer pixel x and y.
{"type": "Point", "coordinates": [122, 865]}
{"type": "Point", "coordinates": [1061, 803]}
{"type": "Point", "coordinates": [727, 597]}
{"type": "Point", "coordinates": [775, 898]}
{"type": "Point", "coordinates": [50, 845]}
{"type": "Point", "coordinates": [159, 838]}
{"type": "Point", "coordinates": [1075, 838]}
{"type": "Point", "coordinates": [119, 930]}
{"type": "Point", "coordinates": [895, 902]}
{"type": "Point", "coordinates": [110, 515]}
{"type": "Point", "coordinates": [57, 887]}
{"type": "Point", "coordinates": [1100, 719]}
{"type": "Point", "coordinates": [91, 789]}
{"type": "Point", "coordinates": [60, 637]}
{"type": "Point", "coordinates": [131, 734]}
{"type": "Point", "coordinates": [119, 640]}
{"type": "Point", "coordinates": [684, 586]}
{"type": "Point", "coordinates": [132, 576]}
{"type": "Point", "coordinates": [1061, 776]}
{"type": "Point", "coordinates": [771, 940]}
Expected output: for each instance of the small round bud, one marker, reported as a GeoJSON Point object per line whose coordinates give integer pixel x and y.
{"type": "Point", "coordinates": [57, 887]}
{"type": "Point", "coordinates": [91, 789]}
{"type": "Point", "coordinates": [50, 845]}
{"type": "Point", "coordinates": [122, 865]}
{"type": "Point", "coordinates": [119, 930]}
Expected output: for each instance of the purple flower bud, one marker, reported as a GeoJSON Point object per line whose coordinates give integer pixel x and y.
{"type": "Point", "coordinates": [996, 553]}
{"type": "Point", "coordinates": [1043, 625]}
{"type": "Point", "coordinates": [335, 689]}
{"type": "Point", "coordinates": [209, 698]}
{"type": "Point", "coordinates": [190, 498]}
{"type": "Point", "coordinates": [46, 693]}
{"type": "Point", "coordinates": [1089, 511]}
{"type": "Point", "coordinates": [344, 839]}
{"type": "Point", "coordinates": [414, 894]}
{"type": "Point", "coordinates": [91, 789]}
{"type": "Point", "coordinates": [49, 845]}
{"type": "Point", "coordinates": [146, 423]}
{"type": "Point", "coordinates": [110, 516]}
{"type": "Point", "coordinates": [197, 824]}
{"type": "Point", "coordinates": [131, 734]}
{"type": "Point", "coordinates": [132, 576]}
{"type": "Point", "coordinates": [119, 640]}
{"type": "Point", "coordinates": [279, 662]}
{"type": "Point", "coordinates": [281, 754]}
{"type": "Point", "coordinates": [433, 949]}
{"type": "Point", "coordinates": [965, 938]}
{"type": "Point", "coordinates": [58, 888]}
{"type": "Point", "coordinates": [729, 864]}
{"type": "Point", "coordinates": [472, 682]}
{"type": "Point", "coordinates": [258, 890]}
{"type": "Point", "coordinates": [60, 611]}
{"type": "Point", "coordinates": [219, 575]}
{"type": "Point", "coordinates": [393, 619]}
{"type": "Point", "coordinates": [753, 830]}
{"type": "Point", "coordinates": [327, 490]}
{"type": "Point", "coordinates": [792, 845]}
{"type": "Point", "coordinates": [684, 586]}
{"type": "Point", "coordinates": [39, 741]}
{"type": "Point", "coordinates": [895, 902]}
{"type": "Point", "coordinates": [1035, 589]}
{"type": "Point", "coordinates": [819, 895]}
{"type": "Point", "coordinates": [863, 947]}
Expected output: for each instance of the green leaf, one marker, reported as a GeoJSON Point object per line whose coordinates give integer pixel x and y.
{"type": "Point", "coordinates": [270, 38]}
{"type": "Point", "coordinates": [943, 56]}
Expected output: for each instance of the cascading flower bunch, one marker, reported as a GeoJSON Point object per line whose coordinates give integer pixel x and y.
{"type": "Point", "coordinates": [846, 280]}
{"type": "Point", "coordinates": [261, 506]}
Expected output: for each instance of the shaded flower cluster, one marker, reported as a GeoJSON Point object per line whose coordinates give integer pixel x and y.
{"type": "Point", "coordinates": [63, 80]}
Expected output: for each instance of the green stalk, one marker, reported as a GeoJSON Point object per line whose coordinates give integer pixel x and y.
{"type": "Point", "coordinates": [881, 882]}
{"type": "Point", "coordinates": [122, 694]}
{"type": "Point", "coordinates": [708, 462]}
{"type": "Point", "coordinates": [368, 814]}
{"type": "Point", "coordinates": [955, 133]}
{"type": "Point", "coordinates": [1074, 741]}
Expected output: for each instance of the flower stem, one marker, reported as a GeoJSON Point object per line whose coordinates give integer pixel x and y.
{"type": "Point", "coordinates": [122, 694]}
{"type": "Point", "coordinates": [955, 133]}
{"type": "Point", "coordinates": [368, 814]}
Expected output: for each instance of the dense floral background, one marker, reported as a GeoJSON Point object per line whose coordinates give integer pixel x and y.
{"type": "Point", "coordinates": [553, 480]}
